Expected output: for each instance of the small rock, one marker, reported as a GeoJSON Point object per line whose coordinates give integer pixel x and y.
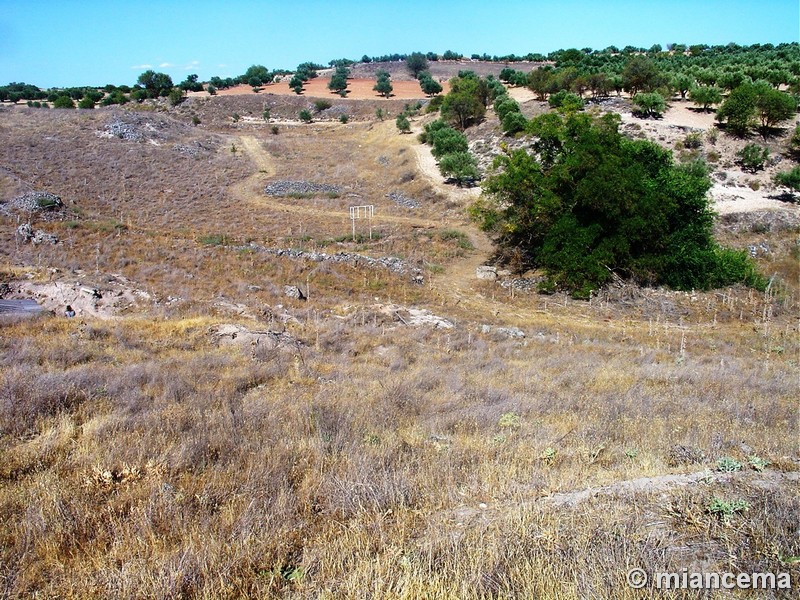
{"type": "Point", "coordinates": [292, 291]}
{"type": "Point", "coordinates": [486, 273]}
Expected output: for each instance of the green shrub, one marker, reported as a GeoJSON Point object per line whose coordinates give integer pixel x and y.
{"type": "Point", "coordinates": [565, 101]}
{"type": "Point", "coordinates": [794, 144]}
{"type": "Point", "coordinates": [343, 118]}
{"type": "Point", "coordinates": [175, 96]}
{"type": "Point", "coordinates": [214, 239]}
{"type": "Point", "coordinates": [514, 122]}
{"type": "Point", "coordinates": [403, 124]}
{"type": "Point", "coordinates": [727, 464]}
{"type": "Point", "coordinates": [693, 140]}
{"type": "Point", "coordinates": [790, 179]}
{"type": "Point", "coordinates": [305, 116]}
{"type": "Point", "coordinates": [320, 105]}
{"type": "Point", "coordinates": [461, 238]}
{"type": "Point", "coordinates": [650, 104]}
{"type": "Point", "coordinates": [589, 204]}
{"type": "Point", "coordinates": [446, 140]}
{"type": "Point", "coordinates": [435, 104]}
{"type": "Point", "coordinates": [725, 509]}
{"type": "Point", "coordinates": [460, 166]}
{"type": "Point", "coordinates": [63, 102]}
{"type": "Point", "coordinates": [753, 157]}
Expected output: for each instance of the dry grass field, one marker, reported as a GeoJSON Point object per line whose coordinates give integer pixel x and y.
{"type": "Point", "coordinates": [408, 432]}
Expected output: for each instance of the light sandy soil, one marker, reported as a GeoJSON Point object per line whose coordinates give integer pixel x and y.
{"type": "Point", "coordinates": [732, 191]}
{"type": "Point", "coordinates": [358, 89]}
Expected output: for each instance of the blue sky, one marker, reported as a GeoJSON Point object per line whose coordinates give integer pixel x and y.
{"type": "Point", "coordinates": [91, 42]}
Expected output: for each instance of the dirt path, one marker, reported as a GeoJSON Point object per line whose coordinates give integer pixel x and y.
{"type": "Point", "coordinates": [459, 276]}
{"type": "Point", "coordinates": [252, 190]}
{"type": "Point", "coordinates": [485, 513]}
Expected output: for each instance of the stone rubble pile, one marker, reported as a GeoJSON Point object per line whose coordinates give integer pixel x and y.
{"type": "Point", "coordinates": [124, 131]}
{"type": "Point", "coordinates": [393, 263]}
{"type": "Point", "coordinates": [193, 151]}
{"type": "Point", "coordinates": [521, 284]}
{"type": "Point", "coordinates": [290, 188]}
{"type": "Point", "coordinates": [36, 201]}
{"type": "Point", "coordinates": [402, 200]}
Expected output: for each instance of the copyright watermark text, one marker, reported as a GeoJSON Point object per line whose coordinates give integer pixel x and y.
{"type": "Point", "coordinates": [688, 580]}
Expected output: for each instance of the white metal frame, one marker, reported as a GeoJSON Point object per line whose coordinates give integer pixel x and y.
{"type": "Point", "coordinates": [366, 211]}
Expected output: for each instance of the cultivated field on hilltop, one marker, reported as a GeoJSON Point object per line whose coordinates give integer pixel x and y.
{"type": "Point", "coordinates": [254, 402]}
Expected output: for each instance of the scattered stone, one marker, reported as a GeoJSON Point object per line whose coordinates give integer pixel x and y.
{"type": "Point", "coordinates": [486, 273]}
{"type": "Point", "coordinates": [300, 188]}
{"type": "Point", "coordinates": [393, 263]}
{"type": "Point", "coordinates": [418, 317]}
{"type": "Point", "coordinates": [512, 332]}
{"type": "Point", "coordinates": [757, 249]}
{"type": "Point", "coordinates": [402, 200]}
{"type": "Point", "coordinates": [192, 151]}
{"type": "Point", "coordinates": [35, 236]}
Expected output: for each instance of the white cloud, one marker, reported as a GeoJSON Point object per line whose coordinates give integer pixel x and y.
{"type": "Point", "coordinates": [142, 66]}
{"type": "Point", "coordinates": [165, 65]}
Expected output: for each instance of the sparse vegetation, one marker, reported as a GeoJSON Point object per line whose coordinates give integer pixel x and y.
{"type": "Point", "coordinates": [281, 408]}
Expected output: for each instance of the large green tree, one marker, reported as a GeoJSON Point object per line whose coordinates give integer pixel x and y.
{"type": "Point", "coordinates": [589, 204]}
{"type": "Point", "coordinates": [465, 103]}
{"type": "Point", "coordinates": [338, 82]}
{"type": "Point", "coordinates": [258, 72]}
{"type": "Point", "coordinates": [459, 166]}
{"type": "Point", "coordinates": [156, 84]}
{"type": "Point", "coordinates": [417, 62]}
{"type": "Point", "coordinates": [429, 85]}
{"type": "Point", "coordinates": [751, 104]}
{"type": "Point", "coordinates": [641, 75]}
{"type": "Point", "coordinates": [705, 95]}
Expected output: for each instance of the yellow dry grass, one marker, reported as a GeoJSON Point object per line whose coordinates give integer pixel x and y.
{"type": "Point", "coordinates": [361, 457]}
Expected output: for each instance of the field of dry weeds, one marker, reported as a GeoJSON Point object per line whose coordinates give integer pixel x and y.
{"type": "Point", "coordinates": [406, 431]}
